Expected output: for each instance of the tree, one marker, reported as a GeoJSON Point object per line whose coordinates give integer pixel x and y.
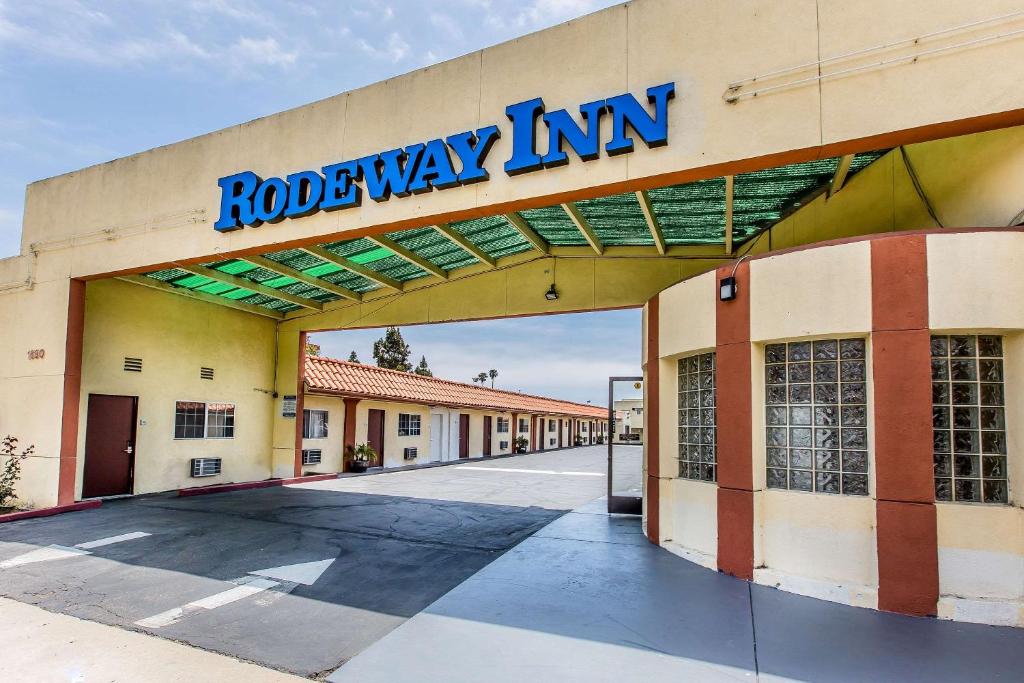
{"type": "Point", "coordinates": [482, 378]}
{"type": "Point", "coordinates": [391, 351]}
{"type": "Point", "coordinates": [423, 369]}
{"type": "Point", "coordinates": [312, 349]}
{"type": "Point", "coordinates": [493, 374]}
{"type": "Point", "coordinates": [353, 358]}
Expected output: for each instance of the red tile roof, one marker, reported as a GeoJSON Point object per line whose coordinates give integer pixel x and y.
{"type": "Point", "coordinates": [342, 378]}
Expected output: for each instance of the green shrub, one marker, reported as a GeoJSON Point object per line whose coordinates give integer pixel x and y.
{"type": "Point", "coordinates": [10, 471]}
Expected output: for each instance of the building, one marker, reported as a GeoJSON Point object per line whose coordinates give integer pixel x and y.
{"type": "Point", "coordinates": [813, 201]}
{"type": "Point", "coordinates": [629, 420]}
{"type": "Point", "coordinates": [413, 420]}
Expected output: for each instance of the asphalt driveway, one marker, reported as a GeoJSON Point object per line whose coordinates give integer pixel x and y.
{"type": "Point", "coordinates": [298, 578]}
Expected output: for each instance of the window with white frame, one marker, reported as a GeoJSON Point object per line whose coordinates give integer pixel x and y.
{"type": "Point", "coordinates": [524, 425]}
{"type": "Point", "coordinates": [698, 437]}
{"type": "Point", "coordinates": [502, 425]}
{"type": "Point", "coordinates": [198, 420]}
{"type": "Point", "coordinates": [969, 418]}
{"type": "Point", "coordinates": [314, 424]}
{"type": "Point", "coordinates": [408, 424]}
{"type": "Point", "coordinates": [816, 416]}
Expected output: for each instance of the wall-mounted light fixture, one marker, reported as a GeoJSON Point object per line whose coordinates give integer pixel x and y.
{"type": "Point", "coordinates": [727, 286]}
{"type": "Point", "coordinates": [552, 293]}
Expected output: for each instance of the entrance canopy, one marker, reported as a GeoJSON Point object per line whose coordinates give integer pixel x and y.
{"type": "Point", "coordinates": [710, 218]}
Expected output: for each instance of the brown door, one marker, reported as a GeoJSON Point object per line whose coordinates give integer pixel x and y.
{"type": "Point", "coordinates": [109, 446]}
{"type": "Point", "coordinates": [559, 433]}
{"type": "Point", "coordinates": [375, 433]}
{"type": "Point", "coordinates": [487, 434]}
{"type": "Point", "coordinates": [463, 436]}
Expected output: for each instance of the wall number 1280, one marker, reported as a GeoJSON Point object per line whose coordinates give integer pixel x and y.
{"type": "Point", "coordinates": [36, 354]}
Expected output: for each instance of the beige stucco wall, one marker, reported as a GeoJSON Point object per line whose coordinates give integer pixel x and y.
{"type": "Point", "coordinates": [824, 545]}
{"type": "Point", "coordinates": [394, 444]}
{"type": "Point", "coordinates": [174, 337]}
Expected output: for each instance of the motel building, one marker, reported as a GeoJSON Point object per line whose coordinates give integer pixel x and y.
{"type": "Point", "coordinates": [629, 420]}
{"type": "Point", "coordinates": [817, 205]}
{"type": "Point", "coordinates": [412, 420]}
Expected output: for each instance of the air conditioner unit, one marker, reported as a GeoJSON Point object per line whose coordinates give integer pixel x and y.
{"type": "Point", "coordinates": [205, 467]}
{"type": "Point", "coordinates": [503, 445]}
{"type": "Point", "coordinates": [410, 453]}
{"type": "Point", "coordinates": [312, 456]}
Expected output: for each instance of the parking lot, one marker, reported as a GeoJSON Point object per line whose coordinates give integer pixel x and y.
{"type": "Point", "coordinates": [297, 578]}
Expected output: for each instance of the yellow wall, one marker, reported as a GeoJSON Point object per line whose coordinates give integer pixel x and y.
{"type": "Point", "coordinates": [174, 337]}
{"type": "Point", "coordinates": [332, 446]}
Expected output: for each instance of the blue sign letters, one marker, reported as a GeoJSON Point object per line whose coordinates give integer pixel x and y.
{"type": "Point", "coordinates": [248, 200]}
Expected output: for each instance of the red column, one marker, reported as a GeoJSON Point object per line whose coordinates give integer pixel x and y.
{"type": "Point", "coordinates": [735, 457]}
{"type": "Point", "coordinates": [67, 471]}
{"type": "Point", "coordinates": [908, 574]}
{"type": "Point", "coordinates": [652, 430]}
{"type": "Point", "coordinates": [513, 428]}
{"type": "Point", "coordinates": [349, 434]}
{"type": "Point", "coordinates": [300, 395]}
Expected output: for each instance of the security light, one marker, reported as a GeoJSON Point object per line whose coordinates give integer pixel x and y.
{"type": "Point", "coordinates": [552, 293]}
{"type": "Point", "coordinates": [727, 288]}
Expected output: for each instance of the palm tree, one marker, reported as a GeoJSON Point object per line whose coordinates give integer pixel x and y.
{"type": "Point", "coordinates": [482, 378]}
{"type": "Point", "coordinates": [493, 374]}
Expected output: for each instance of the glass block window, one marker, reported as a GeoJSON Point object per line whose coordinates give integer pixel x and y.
{"type": "Point", "coordinates": [969, 418]}
{"type": "Point", "coordinates": [697, 434]}
{"type": "Point", "coordinates": [816, 416]}
{"type": "Point", "coordinates": [408, 424]}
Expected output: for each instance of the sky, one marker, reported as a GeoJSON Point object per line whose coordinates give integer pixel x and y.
{"type": "Point", "coordinates": [567, 356]}
{"type": "Point", "coordinates": [87, 81]}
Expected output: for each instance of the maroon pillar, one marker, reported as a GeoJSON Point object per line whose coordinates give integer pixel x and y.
{"type": "Point", "coordinates": [908, 572]}
{"type": "Point", "coordinates": [735, 457]}
{"type": "Point", "coordinates": [67, 471]}
{"type": "Point", "coordinates": [300, 394]}
{"type": "Point", "coordinates": [652, 430]}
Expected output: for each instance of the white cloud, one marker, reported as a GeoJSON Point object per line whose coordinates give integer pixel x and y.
{"type": "Point", "coordinates": [448, 25]}
{"type": "Point", "coordinates": [266, 51]}
{"type": "Point", "coordinates": [394, 49]}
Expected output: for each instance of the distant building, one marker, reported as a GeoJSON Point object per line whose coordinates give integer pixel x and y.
{"type": "Point", "coordinates": [629, 420]}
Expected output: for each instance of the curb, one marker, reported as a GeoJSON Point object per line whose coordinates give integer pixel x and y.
{"type": "Point", "coordinates": [244, 486]}
{"type": "Point", "coordinates": [49, 512]}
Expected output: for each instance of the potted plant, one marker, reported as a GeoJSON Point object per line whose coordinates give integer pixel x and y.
{"type": "Point", "coordinates": [360, 457]}
{"type": "Point", "coordinates": [521, 444]}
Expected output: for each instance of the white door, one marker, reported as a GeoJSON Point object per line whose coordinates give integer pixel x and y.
{"type": "Point", "coordinates": [436, 438]}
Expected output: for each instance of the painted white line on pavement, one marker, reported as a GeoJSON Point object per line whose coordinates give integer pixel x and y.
{"type": "Point", "coordinates": [53, 552]}
{"type": "Point", "coordinates": [512, 469]}
{"type": "Point", "coordinates": [305, 572]}
{"type": "Point", "coordinates": [60, 552]}
{"type": "Point", "coordinates": [173, 616]}
{"type": "Point", "coordinates": [112, 539]}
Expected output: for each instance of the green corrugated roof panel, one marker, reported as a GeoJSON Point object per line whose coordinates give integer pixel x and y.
{"type": "Point", "coordinates": [426, 242]}
{"type": "Point", "coordinates": [617, 220]}
{"type": "Point", "coordinates": [273, 280]}
{"type": "Point", "coordinates": [554, 225]}
{"type": "Point", "coordinates": [311, 265]}
{"type": "Point", "coordinates": [494, 235]}
{"type": "Point", "coordinates": [693, 213]}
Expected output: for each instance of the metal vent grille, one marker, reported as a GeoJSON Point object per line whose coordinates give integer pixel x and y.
{"type": "Point", "coordinates": [502, 445]}
{"type": "Point", "coordinates": [410, 453]}
{"type": "Point", "coordinates": [312, 456]}
{"type": "Point", "coordinates": [132, 364]}
{"type": "Point", "coordinates": [205, 373]}
{"type": "Point", "coordinates": [205, 467]}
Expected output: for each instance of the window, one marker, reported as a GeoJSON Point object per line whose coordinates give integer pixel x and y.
{"type": "Point", "coordinates": [551, 426]}
{"type": "Point", "coordinates": [408, 425]}
{"type": "Point", "coordinates": [502, 425]}
{"type": "Point", "coordinates": [969, 419]}
{"type": "Point", "coordinates": [314, 424]}
{"type": "Point", "coordinates": [698, 436]}
{"type": "Point", "coordinates": [638, 411]}
{"type": "Point", "coordinates": [816, 416]}
{"type": "Point", "coordinates": [197, 420]}
{"type": "Point", "coordinates": [524, 425]}
{"type": "Point", "coordinates": [220, 421]}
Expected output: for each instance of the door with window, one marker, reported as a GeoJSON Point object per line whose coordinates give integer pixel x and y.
{"type": "Point", "coordinates": [375, 433]}
{"type": "Point", "coordinates": [487, 434]}
{"type": "Point", "coordinates": [109, 445]}
{"type": "Point", "coordinates": [463, 436]}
